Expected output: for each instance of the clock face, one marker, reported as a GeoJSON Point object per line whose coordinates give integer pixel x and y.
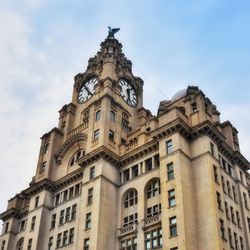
{"type": "Point", "coordinates": [87, 90]}
{"type": "Point", "coordinates": [128, 93]}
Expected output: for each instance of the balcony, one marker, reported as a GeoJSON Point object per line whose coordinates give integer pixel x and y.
{"type": "Point", "coordinates": [80, 128]}
{"type": "Point", "coordinates": [127, 230]}
{"type": "Point", "coordinates": [153, 220]}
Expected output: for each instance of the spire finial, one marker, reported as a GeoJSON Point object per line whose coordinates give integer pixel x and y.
{"type": "Point", "coordinates": [112, 32]}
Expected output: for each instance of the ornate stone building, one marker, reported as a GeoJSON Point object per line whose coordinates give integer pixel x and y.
{"type": "Point", "coordinates": [112, 176]}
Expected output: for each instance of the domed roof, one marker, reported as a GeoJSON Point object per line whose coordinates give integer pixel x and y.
{"type": "Point", "coordinates": [179, 94]}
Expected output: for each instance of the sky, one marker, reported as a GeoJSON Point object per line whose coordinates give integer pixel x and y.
{"type": "Point", "coordinates": [172, 44]}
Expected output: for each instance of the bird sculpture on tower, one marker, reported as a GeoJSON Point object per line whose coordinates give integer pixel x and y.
{"type": "Point", "coordinates": [112, 32]}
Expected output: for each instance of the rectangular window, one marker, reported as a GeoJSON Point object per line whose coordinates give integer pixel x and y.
{"type": "Point", "coordinates": [29, 244]}
{"type": "Point", "coordinates": [77, 189]}
{"type": "Point", "coordinates": [232, 214]}
{"type": "Point", "coordinates": [59, 240]}
{"type": "Point", "coordinates": [65, 195]}
{"type": "Point", "coordinates": [67, 216]}
{"type": "Point", "coordinates": [153, 239]}
{"type": "Point", "coordinates": [86, 244]}
{"type": "Point", "coordinates": [234, 194]}
{"type": "Point", "coordinates": [222, 229]}
{"type": "Point", "coordinates": [57, 199]}
{"type": "Point", "coordinates": [212, 148]}
{"type": "Point", "coordinates": [50, 243]}
{"type": "Point", "coordinates": [169, 146]}
{"type": "Point", "coordinates": [22, 225]}
{"type": "Point", "coordinates": [88, 221]}
{"type": "Point", "coordinates": [172, 226]}
{"type": "Point", "coordinates": [223, 184]}
{"type": "Point", "coordinates": [33, 222]}
{"type": "Point", "coordinates": [155, 210]}
{"type": "Point", "coordinates": [92, 173]}
{"type": "Point", "coordinates": [61, 219]}
{"type": "Point", "coordinates": [71, 235]}
{"type": "Point", "coordinates": [125, 175]}
{"type": "Point", "coordinates": [219, 200]}
{"type": "Point", "coordinates": [42, 167]}
{"type": "Point", "coordinates": [216, 179]}
{"type": "Point", "coordinates": [238, 219]}
{"type": "Point", "coordinates": [71, 193]}
{"type": "Point", "coordinates": [135, 171]}
{"type": "Point", "coordinates": [226, 209]}
{"type": "Point", "coordinates": [236, 241]}
{"type": "Point", "coordinates": [194, 107]}
{"type": "Point", "coordinates": [36, 201]}
{"type": "Point", "coordinates": [65, 238]}
{"type": "Point", "coordinates": [230, 238]}
{"type": "Point", "coordinates": [73, 212]}
{"type": "Point", "coordinates": [3, 245]}
{"type": "Point", "coordinates": [148, 164]}
{"type": "Point", "coordinates": [53, 221]}
{"type": "Point", "coordinates": [111, 136]}
{"type": "Point", "coordinates": [96, 134]}
{"type": "Point", "coordinates": [170, 171]}
{"type": "Point", "coordinates": [248, 222]}
{"type": "Point", "coordinates": [46, 148]}
{"type": "Point", "coordinates": [245, 200]}
{"type": "Point", "coordinates": [229, 189]}
{"type": "Point", "coordinates": [171, 198]}
{"type": "Point", "coordinates": [241, 244]}
{"type": "Point", "coordinates": [90, 196]}
{"type": "Point", "coordinates": [130, 220]}
{"type": "Point", "coordinates": [6, 229]}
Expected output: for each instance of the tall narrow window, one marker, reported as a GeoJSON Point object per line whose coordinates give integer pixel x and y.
{"type": "Point", "coordinates": [236, 241]}
{"type": "Point", "coordinates": [71, 192]}
{"type": "Point", "coordinates": [3, 245]}
{"type": "Point", "coordinates": [229, 189]}
{"type": "Point", "coordinates": [59, 240]}
{"type": "Point", "coordinates": [53, 221]}
{"type": "Point", "coordinates": [67, 216]}
{"type": "Point", "coordinates": [234, 194]}
{"type": "Point", "coordinates": [90, 196]}
{"type": "Point", "coordinates": [212, 148]}
{"type": "Point", "coordinates": [169, 146]}
{"type": "Point", "coordinates": [50, 244]}
{"type": "Point", "coordinates": [232, 214]}
{"type": "Point", "coordinates": [6, 229]}
{"type": "Point", "coordinates": [73, 212]}
{"type": "Point", "coordinates": [71, 235]}
{"type": "Point", "coordinates": [219, 200]}
{"type": "Point", "coordinates": [33, 221]}
{"type": "Point", "coordinates": [241, 244]}
{"type": "Point", "coordinates": [148, 164]}
{"type": "Point", "coordinates": [238, 219]}
{"type": "Point", "coordinates": [222, 229]}
{"type": "Point", "coordinates": [226, 209]}
{"type": "Point", "coordinates": [194, 107]}
{"type": "Point", "coordinates": [65, 238]}
{"type": "Point", "coordinates": [171, 198]}
{"type": "Point", "coordinates": [36, 201]}
{"type": "Point", "coordinates": [92, 173]}
{"type": "Point", "coordinates": [96, 134]}
{"type": "Point", "coordinates": [245, 200]}
{"type": "Point", "coordinates": [61, 219]}
{"type": "Point", "coordinates": [172, 226]}
{"type": "Point", "coordinates": [86, 244]}
{"type": "Point", "coordinates": [170, 171]}
{"type": "Point", "coordinates": [216, 174]}
{"type": "Point", "coordinates": [42, 167]}
{"type": "Point", "coordinates": [88, 221]}
{"type": "Point", "coordinates": [98, 115]}
{"type": "Point", "coordinates": [112, 116]}
{"type": "Point", "coordinates": [230, 237]}
{"type": "Point", "coordinates": [111, 136]}
{"type": "Point", "coordinates": [46, 148]}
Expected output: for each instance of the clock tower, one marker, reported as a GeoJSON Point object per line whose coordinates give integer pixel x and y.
{"type": "Point", "coordinates": [111, 176]}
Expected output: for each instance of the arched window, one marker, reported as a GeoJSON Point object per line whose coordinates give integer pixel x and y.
{"type": "Point", "coordinates": [98, 115]}
{"type": "Point", "coordinates": [130, 198]}
{"type": "Point", "coordinates": [77, 155]}
{"type": "Point", "coordinates": [19, 245]}
{"type": "Point", "coordinates": [112, 116]}
{"type": "Point", "coordinates": [153, 189]}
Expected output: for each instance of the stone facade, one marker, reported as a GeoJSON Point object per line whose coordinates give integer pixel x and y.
{"type": "Point", "coordinates": [112, 176]}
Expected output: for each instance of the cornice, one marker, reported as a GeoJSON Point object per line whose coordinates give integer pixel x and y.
{"type": "Point", "coordinates": [10, 213]}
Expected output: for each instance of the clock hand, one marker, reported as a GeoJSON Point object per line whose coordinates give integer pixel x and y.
{"type": "Point", "coordinates": [128, 93]}
{"type": "Point", "coordinates": [87, 89]}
